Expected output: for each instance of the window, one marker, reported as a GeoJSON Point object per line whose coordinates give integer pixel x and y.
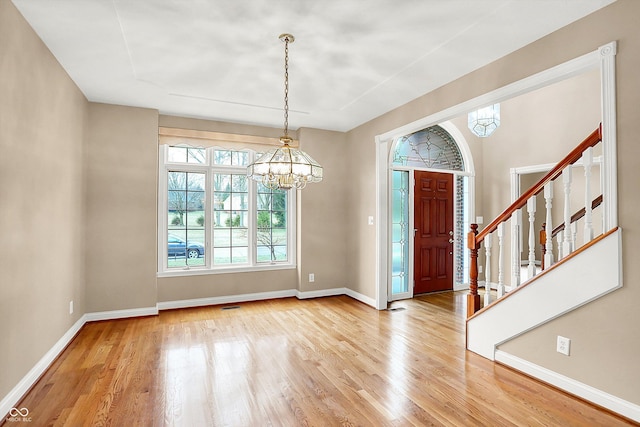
{"type": "Point", "coordinates": [213, 218]}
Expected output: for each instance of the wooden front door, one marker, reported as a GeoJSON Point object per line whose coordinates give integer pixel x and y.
{"type": "Point", "coordinates": [433, 221]}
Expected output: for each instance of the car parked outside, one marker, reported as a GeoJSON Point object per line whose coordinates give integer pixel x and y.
{"type": "Point", "coordinates": [181, 247]}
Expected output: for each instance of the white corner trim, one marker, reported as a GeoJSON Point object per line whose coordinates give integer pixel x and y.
{"type": "Point", "coordinates": [592, 394]}
{"type": "Point", "coordinates": [39, 368]}
{"type": "Point", "coordinates": [121, 314]}
{"type": "Point", "coordinates": [362, 298]}
{"type": "Point", "coordinates": [382, 226]}
{"type": "Point", "coordinates": [609, 136]}
{"type": "Point", "coordinates": [227, 299]}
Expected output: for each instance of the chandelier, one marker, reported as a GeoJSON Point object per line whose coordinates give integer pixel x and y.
{"type": "Point", "coordinates": [485, 121]}
{"type": "Point", "coordinates": [285, 167]}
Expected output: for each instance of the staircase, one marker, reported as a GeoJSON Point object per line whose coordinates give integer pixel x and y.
{"type": "Point", "coordinates": [570, 252]}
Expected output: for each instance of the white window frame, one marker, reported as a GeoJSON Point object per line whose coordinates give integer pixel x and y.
{"type": "Point", "coordinates": [208, 168]}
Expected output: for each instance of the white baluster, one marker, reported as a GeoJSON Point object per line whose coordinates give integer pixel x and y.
{"type": "Point", "coordinates": [516, 247]}
{"type": "Point", "coordinates": [487, 271]}
{"type": "Point", "coordinates": [548, 199]}
{"type": "Point", "coordinates": [500, 289]}
{"type": "Point", "coordinates": [531, 209]}
{"type": "Point", "coordinates": [566, 181]}
{"type": "Point", "coordinates": [559, 237]}
{"type": "Point", "coordinates": [574, 235]}
{"type": "Point", "coordinates": [587, 161]}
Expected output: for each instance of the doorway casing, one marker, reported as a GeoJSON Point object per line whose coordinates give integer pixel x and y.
{"type": "Point", "coordinates": [602, 58]}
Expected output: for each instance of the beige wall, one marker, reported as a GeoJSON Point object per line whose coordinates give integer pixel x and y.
{"type": "Point", "coordinates": [220, 285]}
{"type": "Point", "coordinates": [120, 173]}
{"type": "Point", "coordinates": [42, 123]}
{"type": "Point", "coordinates": [605, 340]}
{"type": "Point", "coordinates": [537, 128]}
{"type": "Point", "coordinates": [322, 228]}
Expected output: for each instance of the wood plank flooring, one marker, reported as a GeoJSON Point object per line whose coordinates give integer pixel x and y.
{"type": "Point", "coordinates": [288, 362]}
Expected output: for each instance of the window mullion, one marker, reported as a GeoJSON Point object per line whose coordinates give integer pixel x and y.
{"type": "Point", "coordinates": [162, 210]}
{"type": "Point", "coordinates": [208, 214]}
{"type": "Point", "coordinates": [252, 185]}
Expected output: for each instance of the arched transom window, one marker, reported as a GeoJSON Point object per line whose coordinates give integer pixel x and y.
{"type": "Point", "coordinates": [432, 148]}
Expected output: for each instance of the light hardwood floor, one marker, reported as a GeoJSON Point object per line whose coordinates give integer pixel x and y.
{"type": "Point", "coordinates": [321, 362]}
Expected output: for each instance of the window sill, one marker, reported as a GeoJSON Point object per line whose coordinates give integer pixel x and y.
{"type": "Point", "coordinates": [196, 271]}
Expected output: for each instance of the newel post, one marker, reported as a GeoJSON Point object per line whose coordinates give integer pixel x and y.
{"type": "Point", "coordinates": [473, 298]}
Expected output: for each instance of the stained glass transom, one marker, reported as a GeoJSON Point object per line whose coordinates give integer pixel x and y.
{"type": "Point", "coordinates": [432, 148]}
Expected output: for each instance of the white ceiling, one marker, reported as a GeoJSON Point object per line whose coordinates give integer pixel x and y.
{"type": "Point", "coordinates": [352, 60]}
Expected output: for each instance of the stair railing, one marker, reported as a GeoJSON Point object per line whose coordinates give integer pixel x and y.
{"type": "Point", "coordinates": [513, 214]}
{"type": "Point", "coordinates": [560, 228]}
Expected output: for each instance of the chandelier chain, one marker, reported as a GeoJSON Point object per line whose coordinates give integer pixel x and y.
{"type": "Point", "coordinates": [285, 167]}
{"type": "Point", "coordinates": [286, 86]}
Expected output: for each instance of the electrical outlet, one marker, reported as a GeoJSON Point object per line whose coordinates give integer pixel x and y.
{"type": "Point", "coordinates": [70, 307]}
{"type": "Point", "coordinates": [312, 277]}
{"type": "Point", "coordinates": [480, 269]}
{"type": "Point", "coordinates": [563, 345]}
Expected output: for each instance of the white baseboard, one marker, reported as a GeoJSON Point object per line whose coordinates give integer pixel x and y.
{"type": "Point", "coordinates": [591, 394]}
{"type": "Point", "coordinates": [338, 291]}
{"type": "Point", "coordinates": [360, 297]}
{"type": "Point", "coordinates": [14, 396]}
{"type": "Point", "coordinates": [321, 293]}
{"type": "Point", "coordinates": [228, 299]}
{"type": "Point", "coordinates": [121, 314]}
{"type": "Point", "coordinates": [460, 286]}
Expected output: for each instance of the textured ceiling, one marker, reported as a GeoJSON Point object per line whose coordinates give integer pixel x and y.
{"type": "Point", "coordinates": [352, 60]}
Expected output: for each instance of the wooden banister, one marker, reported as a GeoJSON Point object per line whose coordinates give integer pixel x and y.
{"type": "Point", "coordinates": [571, 158]}
{"type": "Point", "coordinates": [475, 238]}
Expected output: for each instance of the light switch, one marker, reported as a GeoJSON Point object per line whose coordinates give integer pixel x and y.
{"type": "Point", "coordinates": [370, 220]}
